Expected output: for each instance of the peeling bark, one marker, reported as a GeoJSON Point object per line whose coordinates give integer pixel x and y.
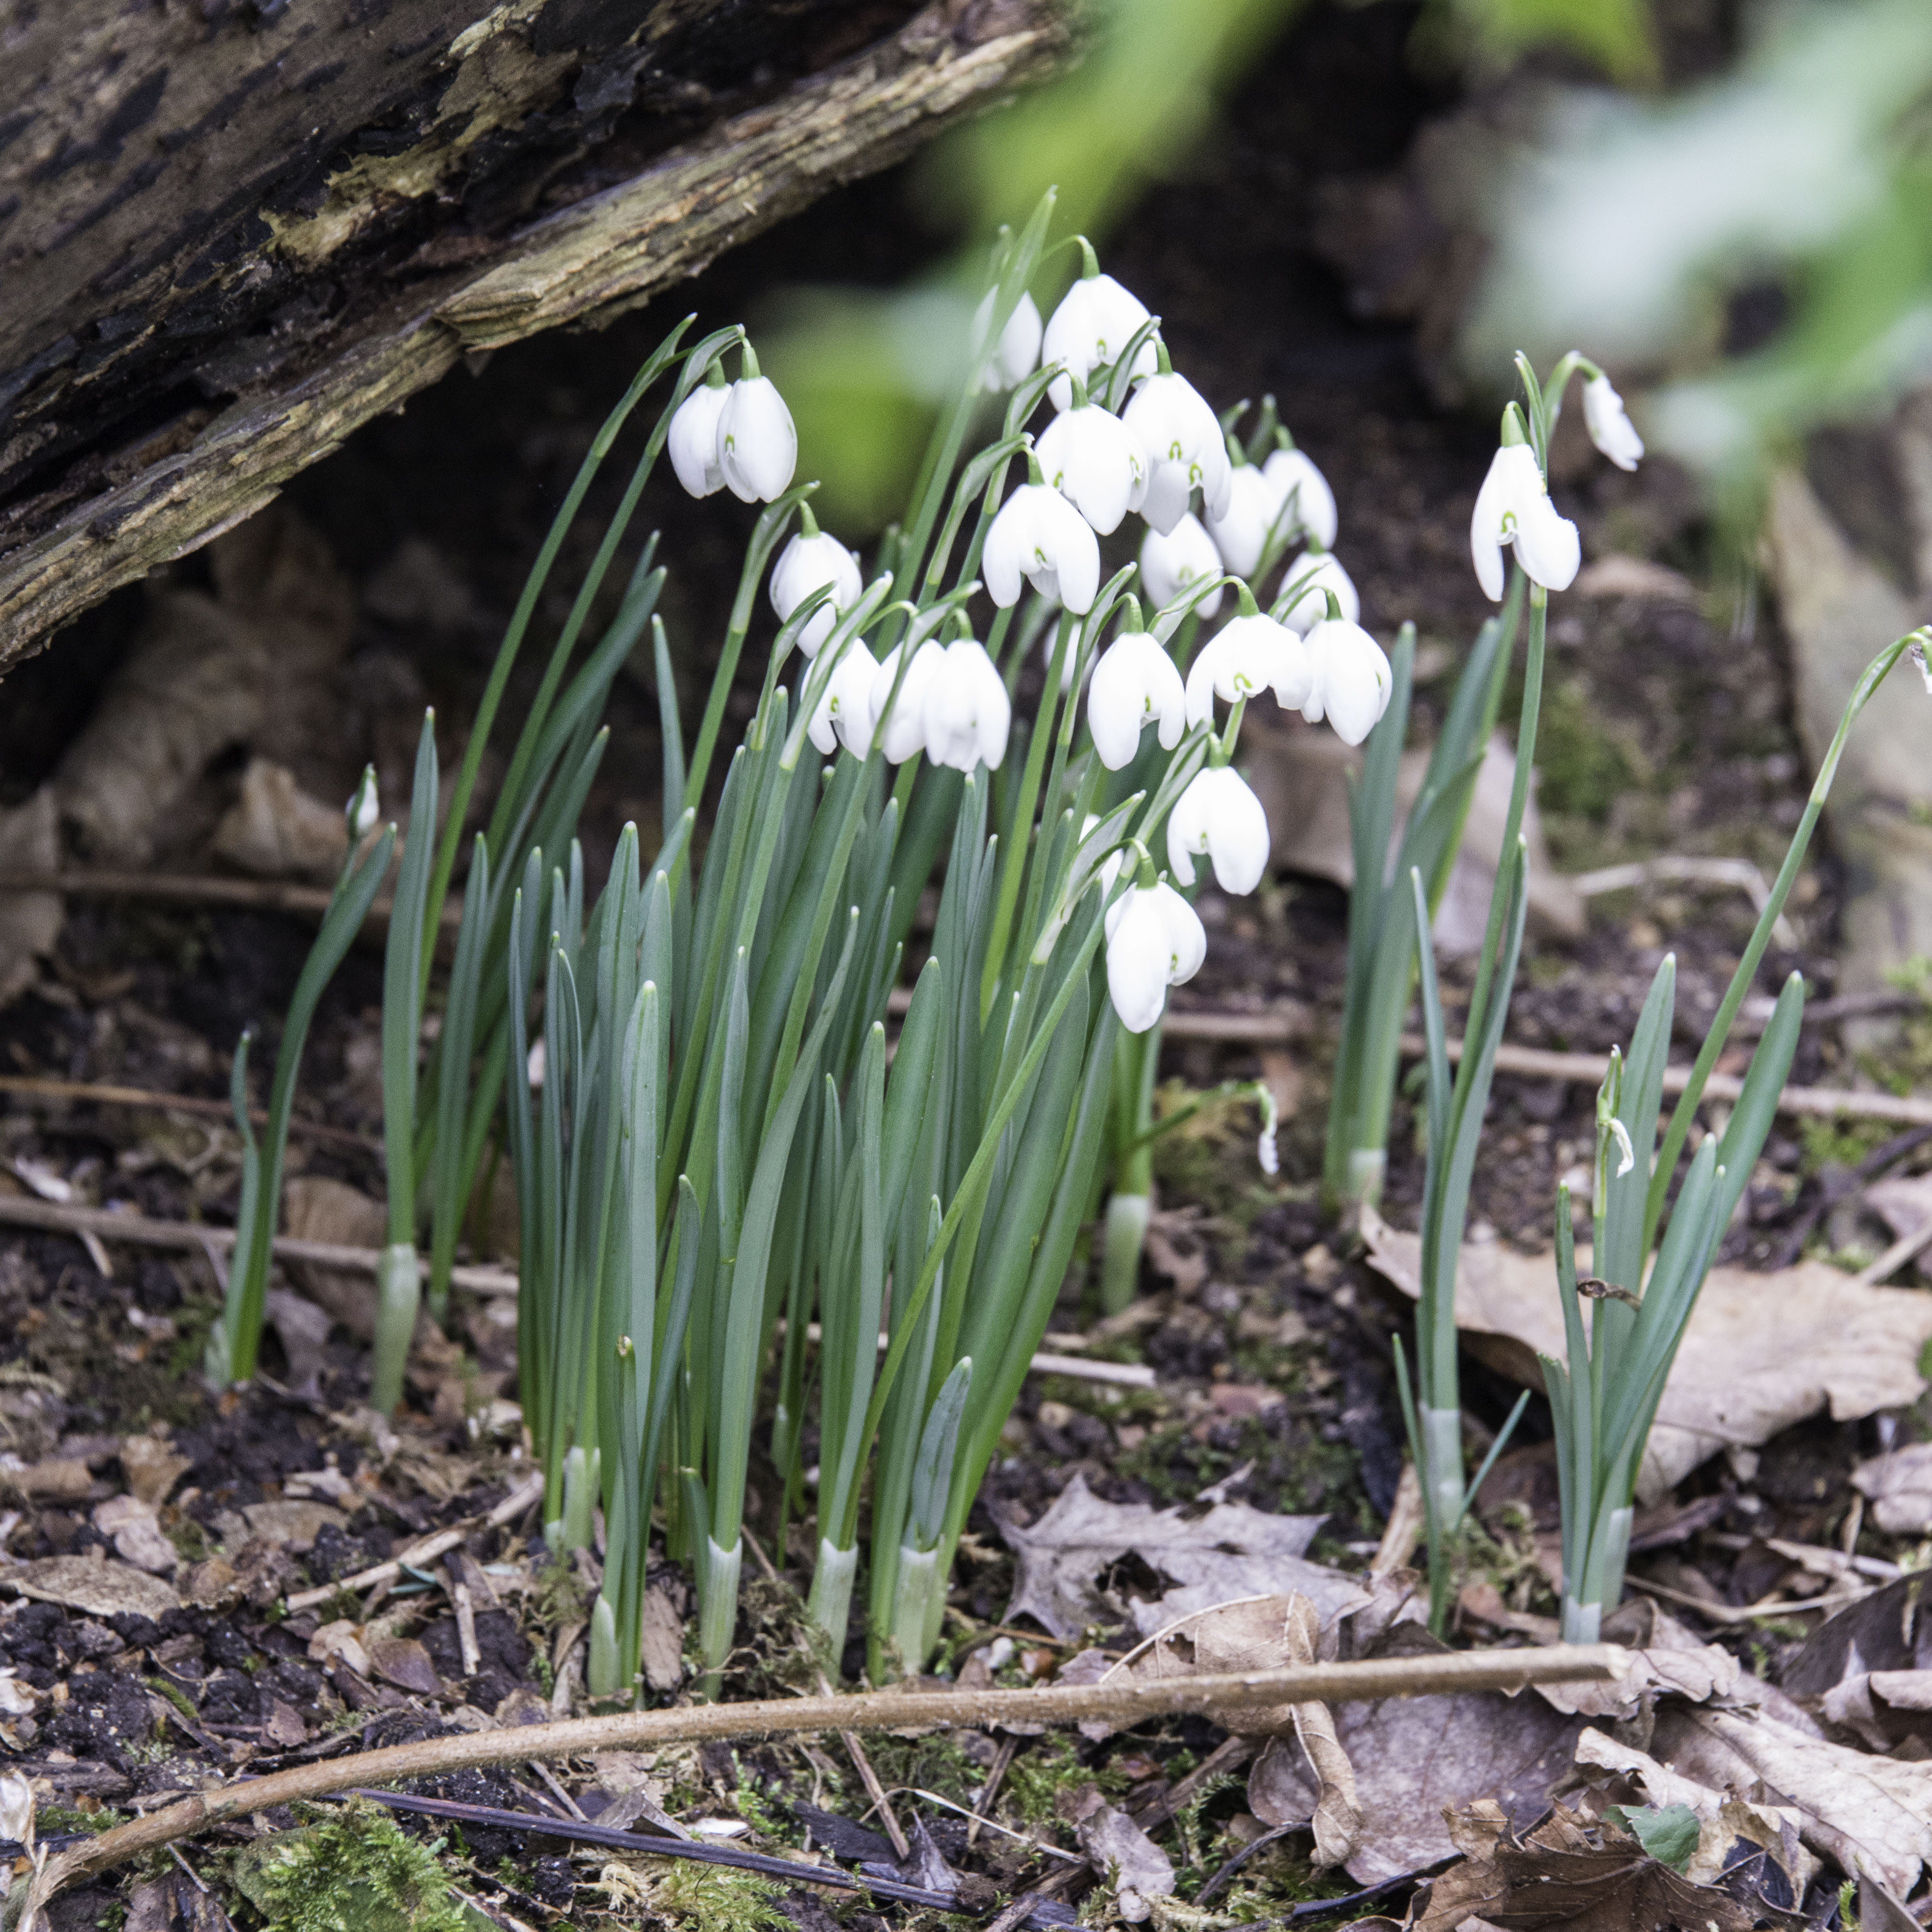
{"type": "Point", "coordinates": [231, 234]}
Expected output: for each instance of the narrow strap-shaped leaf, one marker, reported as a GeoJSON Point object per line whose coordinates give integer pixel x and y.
{"type": "Point", "coordinates": [1621, 1260]}
{"type": "Point", "coordinates": [1744, 1135]}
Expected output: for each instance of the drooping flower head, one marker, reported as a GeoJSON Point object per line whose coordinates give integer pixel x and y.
{"type": "Point", "coordinates": [1254, 503]}
{"type": "Point", "coordinates": [1040, 536]}
{"type": "Point", "coordinates": [1610, 429]}
{"type": "Point", "coordinates": [905, 722]}
{"type": "Point", "coordinates": [1135, 684]}
{"type": "Point", "coordinates": [1091, 457]}
{"type": "Point", "coordinates": [1250, 654]}
{"type": "Point", "coordinates": [967, 712]}
{"type": "Point", "coordinates": [1155, 939]}
{"type": "Point", "coordinates": [1016, 355]}
{"type": "Point", "coordinates": [1304, 489]}
{"type": "Point", "coordinates": [1350, 679]}
{"type": "Point", "coordinates": [810, 559]}
{"type": "Point", "coordinates": [1174, 563]}
{"type": "Point", "coordinates": [1219, 818]}
{"type": "Point", "coordinates": [1513, 507]}
{"type": "Point", "coordinates": [1311, 580]}
{"type": "Point", "coordinates": [1096, 320]}
{"type": "Point", "coordinates": [757, 442]}
{"type": "Point", "coordinates": [693, 440]}
{"type": "Point", "coordinates": [1171, 421]}
{"type": "Point", "coordinates": [843, 714]}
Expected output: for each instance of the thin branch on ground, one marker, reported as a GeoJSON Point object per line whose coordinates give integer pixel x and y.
{"type": "Point", "coordinates": [89, 1094]}
{"type": "Point", "coordinates": [1119, 1704]}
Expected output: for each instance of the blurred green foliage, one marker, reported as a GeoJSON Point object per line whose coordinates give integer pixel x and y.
{"type": "Point", "coordinates": [1614, 35]}
{"type": "Point", "coordinates": [1806, 175]}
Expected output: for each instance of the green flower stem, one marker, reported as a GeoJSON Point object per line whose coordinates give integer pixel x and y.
{"type": "Point", "coordinates": [1685, 1111]}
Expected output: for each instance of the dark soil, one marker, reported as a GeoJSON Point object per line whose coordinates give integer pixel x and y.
{"type": "Point", "coordinates": [1665, 728]}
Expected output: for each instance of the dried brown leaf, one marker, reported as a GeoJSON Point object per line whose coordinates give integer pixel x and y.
{"type": "Point", "coordinates": [1739, 1377]}
{"type": "Point", "coordinates": [1565, 1874]}
{"type": "Point", "coordinates": [1231, 1552]}
{"type": "Point", "coordinates": [1865, 1813]}
{"type": "Point", "coordinates": [1900, 1486]}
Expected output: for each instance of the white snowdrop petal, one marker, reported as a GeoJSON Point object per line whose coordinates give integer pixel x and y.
{"type": "Point", "coordinates": [1610, 429]}
{"type": "Point", "coordinates": [693, 440]}
{"type": "Point", "coordinates": [1173, 564]}
{"type": "Point", "coordinates": [1304, 489]}
{"type": "Point", "coordinates": [757, 443]}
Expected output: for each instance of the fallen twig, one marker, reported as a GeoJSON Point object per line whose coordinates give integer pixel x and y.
{"type": "Point", "coordinates": [419, 1555]}
{"type": "Point", "coordinates": [105, 1222]}
{"type": "Point", "coordinates": [788, 1871]}
{"type": "Point", "coordinates": [1120, 1704]}
{"type": "Point", "coordinates": [194, 888]}
{"type": "Point", "coordinates": [1896, 1256]}
{"type": "Point", "coordinates": [1690, 870]}
{"type": "Point", "coordinates": [94, 1095]}
{"type": "Point", "coordinates": [1280, 1025]}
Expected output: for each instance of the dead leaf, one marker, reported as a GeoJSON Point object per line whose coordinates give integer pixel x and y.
{"type": "Point", "coordinates": [1663, 1659]}
{"type": "Point", "coordinates": [662, 1647]}
{"type": "Point", "coordinates": [292, 1522]}
{"type": "Point", "coordinates": [1302, 779]}
{"type": "Point", "coordinates": [1882, 1708]}
{"type": "Point", "coordinates": [152, 1467]}
{"type": "Point", "coordinates": [61, 1479]}
{"type": "Point", "coordinates": [1415, 1757]}
{"type": "Point", "coordinates": [284, 1725]}
{"type": "Point", "coordinates": [93, 1583]}
{"type": "Point", "coordinates": [1739, 1378]}
{"type": "Point", "coordinates": [129, 1524]}
{"type": "Point", "coordinates": [405, 1664]}
{"type": "Point", "coordinates": [1863, 1813]}
{"type": "Point", "coordinates": [1721, 1819]}
{"type": "Point", "coordinates": [1905, 1200]}
{"type": "Point", "coordinates": [1126, 1858]}
{"type": "Point", "coordinates": [302, 1328]}
{"type": "Point", "coordinates": [341, 1640]}
{"type": "Point", "coordinates": [277, 830]}
{"type": "Point", "coordinates": [1900, 1485]}
{"type": "Point", "coordinates": [1880, 1911]}
{"type": "Point", "coordinates": [1890, 1629]}
{"type": "Point", "coordinates": [1231, 1551]}
{"type": "Point", "coordinates": [1566, 1874]}
{"type": "Point", "coordinates": [30, 922]}
{"type": "Point", "coordinates": [1619, 575]}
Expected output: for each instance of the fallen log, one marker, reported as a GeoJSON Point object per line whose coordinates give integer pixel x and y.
{"type": "Point", "coordinates": [254, 227]}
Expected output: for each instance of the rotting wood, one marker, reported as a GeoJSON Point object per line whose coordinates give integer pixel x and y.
{"type": "Point", "coordinates": [587, 264]}
{"type": "Point", "coordinates": [1119, 1704]}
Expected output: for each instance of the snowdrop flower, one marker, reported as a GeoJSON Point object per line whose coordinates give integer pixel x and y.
{"type": "Point", "coordinates": [1039, 535]}
{"type": "Point", "coordinates": [1350, 679]}
{"type": "Point", "coordinates": [1254, 503]}
{"type": "Point", "coordinates": [967, 712]}
{"type": "Point", "coordinates": [1172, 422]}
{"type": "Point", "coordinates": [1176, 562]}
{"type": "Point", "coordinates": [1313, 510]}
{"type": "Point", "coordinates": [1249, 654]}
{"type": "Point", "coordinates": [1218, 816]}
{"type": "Point", "coordinates": [693, 441]}
{"type": "Point", "coordinates": [1094, 322]}
{"type": "Point", "coordinates": [905, 724]}
{"type": "Point", "coordinates": [1610, 430]}
{"type": "Point", "coordinates": [844, 713]}
{"type": "Point", "coordinates": [1168, 494]}
{"type": "Point", "coordinates": [757, 443]}
{"type": "Point", "coordinates": [1091, 458]}
{"type": "Point", "coordinates": [1135, 684]}
{"type": "Point", "coordinates": [1311, 589]}
{"type": "Point", "coordinates": [1016, 355]}
{"type": "Point", "coordinates": [812, 558]}
{"type": "Point", "coordinates": [1513, 507]}
{"type": "Point", "coordinates": [1155, 939]}
{"type": "Point", "coordinates": [363, 808]}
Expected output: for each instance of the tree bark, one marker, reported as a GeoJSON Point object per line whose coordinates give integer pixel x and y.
{"type": "Point", "coordinates": [231, 233]}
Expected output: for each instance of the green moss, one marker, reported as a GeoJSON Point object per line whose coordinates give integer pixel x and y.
{"type": "Point", "coordinates": [1036, 1778]}
{"type": "Point", "coordinates": [718, 1899]}
{"type": "Point", "coordinates": [1582, 769]}
{"type": "Point", "coordinates": [350, 1870]}
{"type": "Point", "coordinates": [1833, 1143]}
